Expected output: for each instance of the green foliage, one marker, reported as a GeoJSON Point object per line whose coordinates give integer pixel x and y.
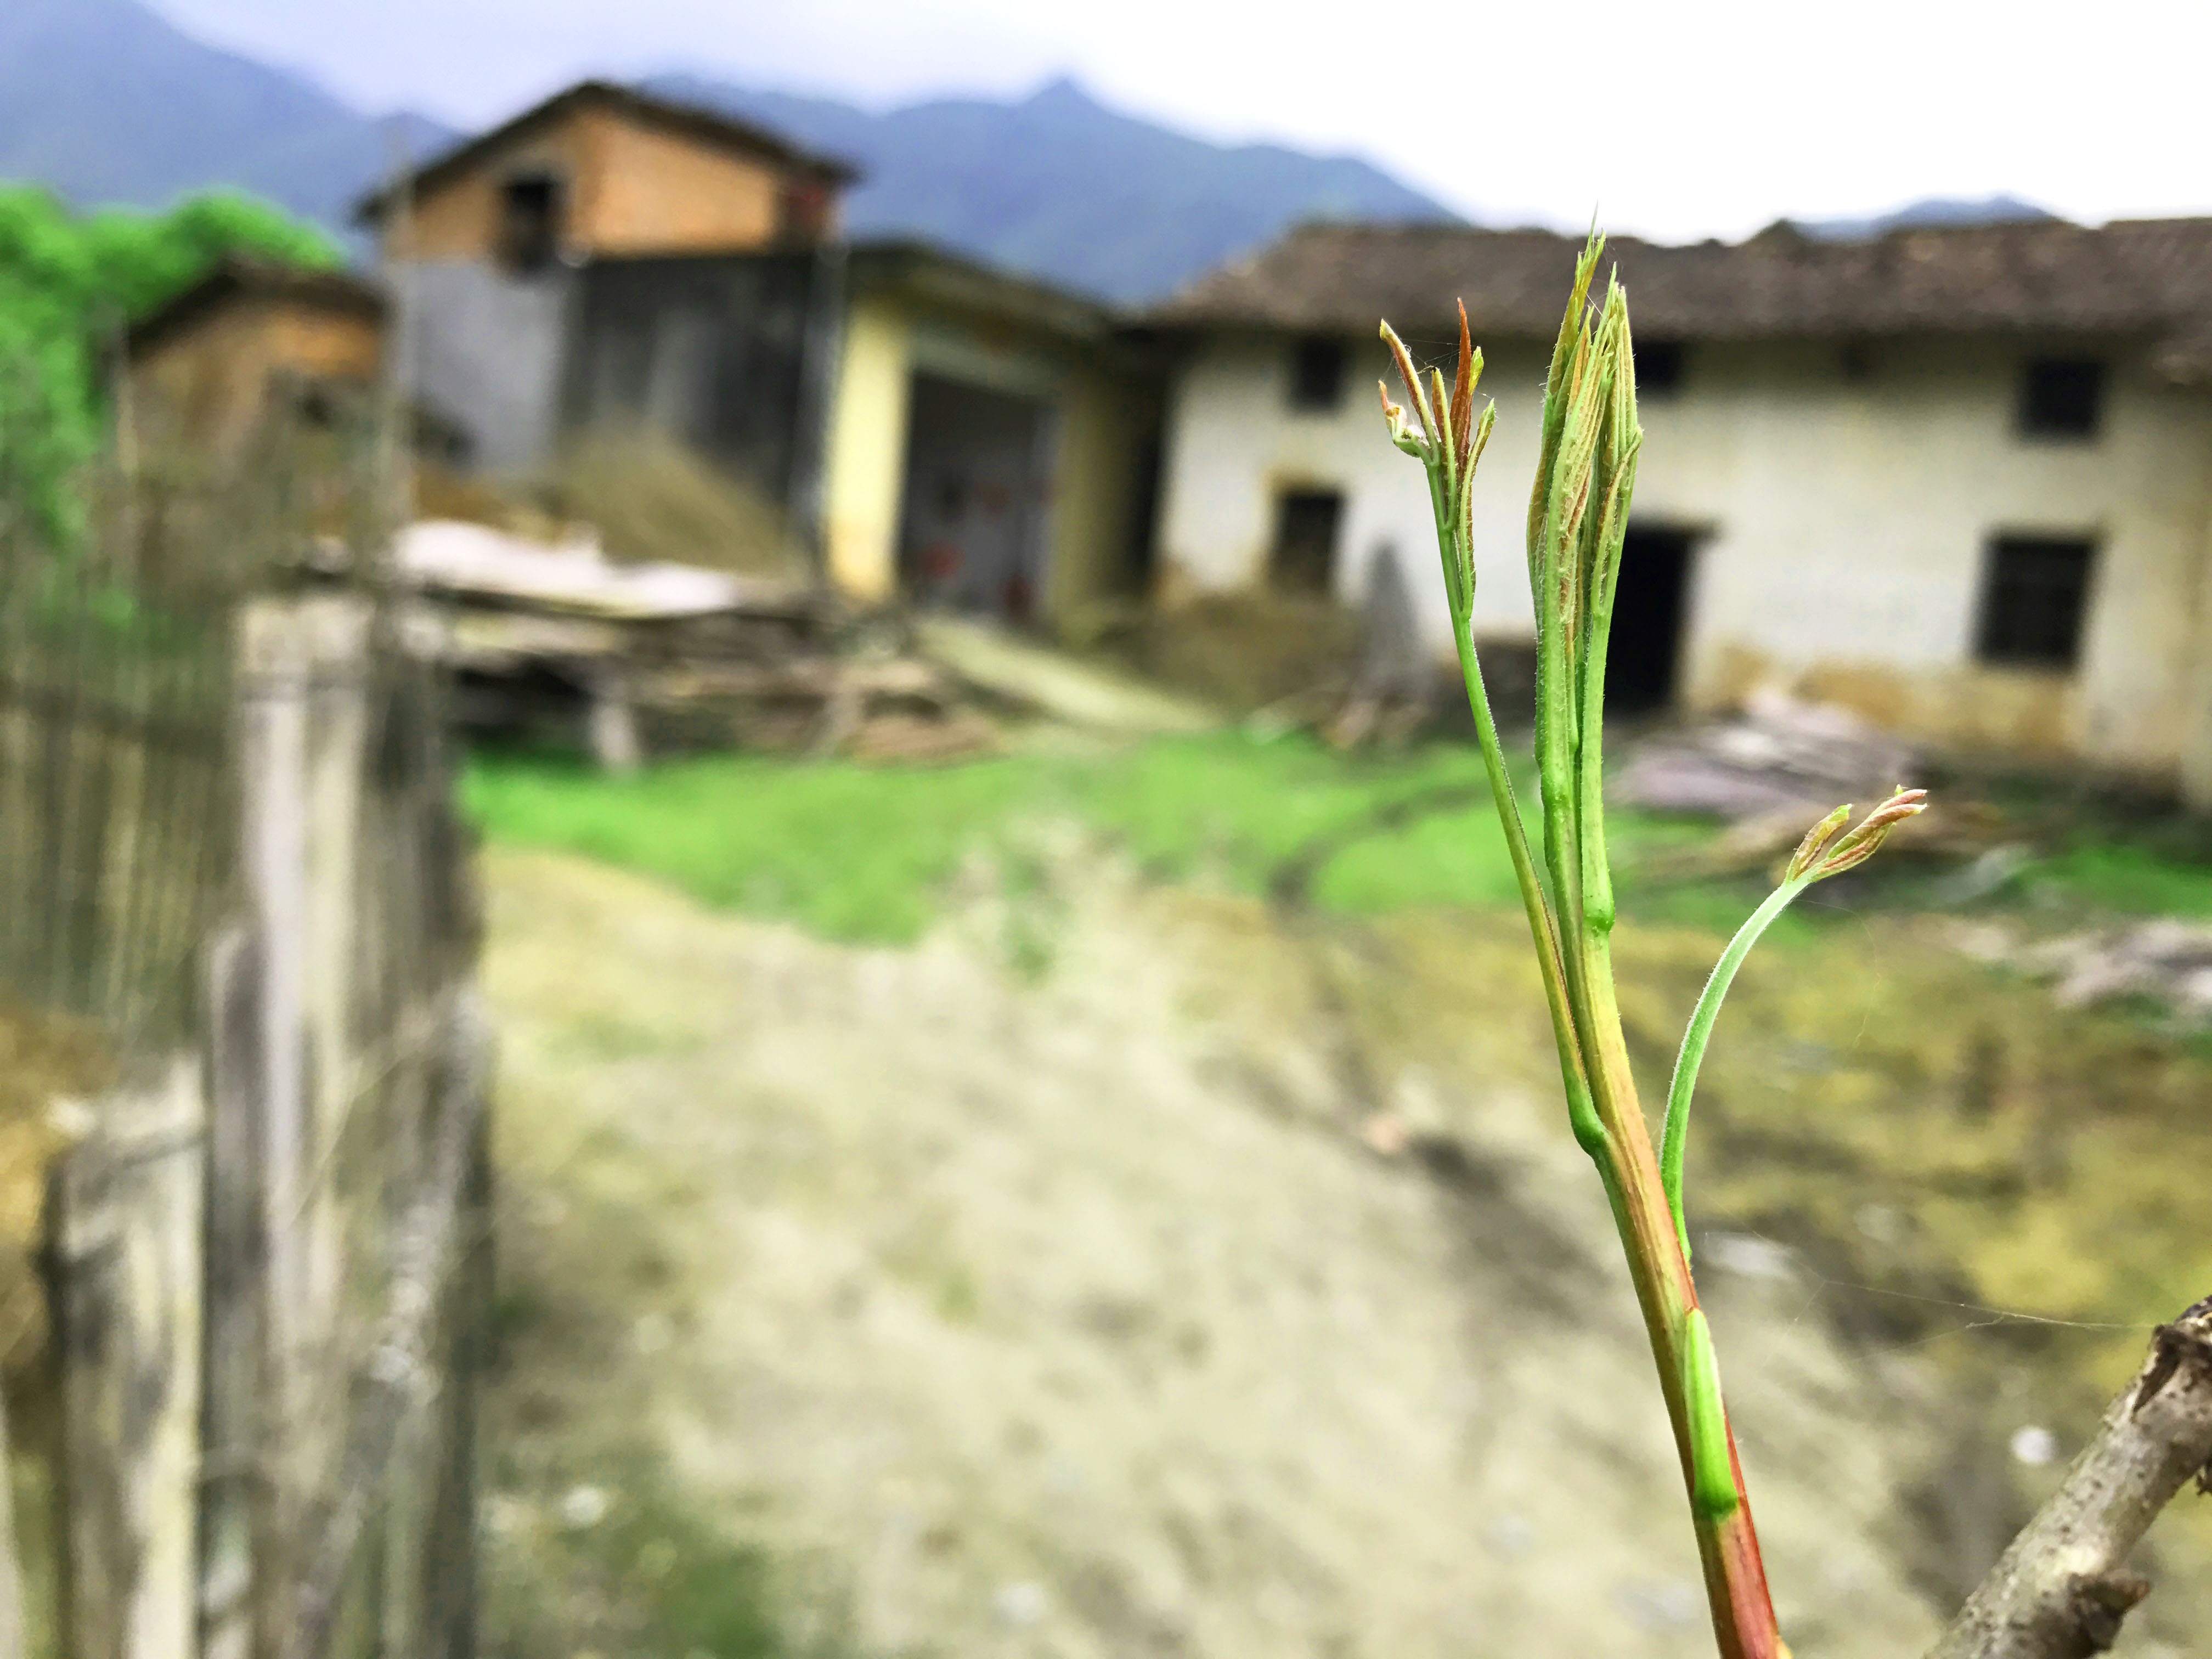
{"type": "Point", "coordinates": [866, 853]}
{"type": "Point", "coordinates": [2136, 880]}
{"type": "Point", "coordinates": [68, 285]}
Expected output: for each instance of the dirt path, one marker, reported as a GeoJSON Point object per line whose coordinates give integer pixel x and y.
{"type": "Point", "coordinates": [1052, 1289]}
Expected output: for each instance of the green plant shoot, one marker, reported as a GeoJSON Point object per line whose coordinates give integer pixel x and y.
{"type": "Point", "coordinates": [1814, 860]}
{"type": "Point", "coordinates": [1590, 442]}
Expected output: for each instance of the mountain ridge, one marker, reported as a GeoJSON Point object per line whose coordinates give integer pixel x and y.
{"type": "Point", "coordinates": [106, 103]}
{"type": "Point", "coordinates": [1061, 186]}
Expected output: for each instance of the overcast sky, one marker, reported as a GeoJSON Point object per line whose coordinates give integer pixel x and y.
{"type": "Point", "coordinates": [1716, 116]}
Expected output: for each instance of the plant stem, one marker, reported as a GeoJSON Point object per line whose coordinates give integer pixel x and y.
{"type": "Point", "coordinates": [1611, 1129]}
{"type": "Point", "coordinates": [1577, 523]}
{"type": "Point", "coordinates": [1582, 1117]}
{"type": "Point", "coordinates": [1675, 1137]}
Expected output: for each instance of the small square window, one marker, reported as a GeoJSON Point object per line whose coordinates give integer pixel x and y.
{"type": "Point", "coordinates": [1307, 524]}
{"type": "Point", "coordinates": [1317, 372]}
{"type": "Point", "coordinates": [2061, 398]}
{"type": "Point", "coordinates": [529, 221]}
{"type": "Point", "coordinates": [2035, 592]}
{"type": "Point", "coordinates": [1659, 366]}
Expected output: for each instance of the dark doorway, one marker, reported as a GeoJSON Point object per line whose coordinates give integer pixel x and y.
{"type": "Point", "coordinates": [972, 526]}
{"type": "Point", "coordinates": [1648, 613]}
{"type": "Point", "coordinates": [1303, 557]}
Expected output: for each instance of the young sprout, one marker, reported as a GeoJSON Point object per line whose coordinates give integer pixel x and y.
{"type": "Point", "coordinates": [1589, 444]}
{"type": "Point", "coordinates": [1819, 856]}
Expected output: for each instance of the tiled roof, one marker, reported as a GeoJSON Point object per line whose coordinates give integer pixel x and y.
{"type": "Point", "coordinates": [2150, 277]}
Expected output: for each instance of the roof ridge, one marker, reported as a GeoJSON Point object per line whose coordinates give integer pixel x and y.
{"type": "Point", "coordinates": [704, 120]}
{"type": "Point", "coordinates": [2134, 279]}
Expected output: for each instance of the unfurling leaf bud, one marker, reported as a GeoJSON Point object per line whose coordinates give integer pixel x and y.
{"type": "Point", "coordinates": [1400, 434]}
{"type": "Point", "coordinates": [1862, 844]}
{"type": "Point", "coordinates": [1816, 838]}
{"type": "Point", "coordinates": [1410, 375]}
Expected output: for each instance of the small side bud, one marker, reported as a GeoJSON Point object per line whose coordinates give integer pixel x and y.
{"type": "Point", "coordinates": [1816, 838]}
{"type": "Point", "coordinates": [1410, 375]}
{"type": "Point", "coordinates": [1856, 847]}
{"type": "Point", "coordinates": [1394, 418]}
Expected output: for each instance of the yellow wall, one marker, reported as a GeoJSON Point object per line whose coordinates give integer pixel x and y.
{"type": "Point", "coordinates": [1098, 418]}
{"type": "Point", "coordinates": [866, 463]}
{"type": "Point", "coordinates": [314, 340]}
{"type": "Point", "coordinates": [1105, 422]}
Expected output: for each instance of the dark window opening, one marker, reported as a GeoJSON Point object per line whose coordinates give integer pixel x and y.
{"type": "Point", "coordinates": [1317, 372]}
{"type": "Point", "coordinates": [1659, 366]}
{"type": "Point", "coordinates": [529, 221]}
{"type": "Point", "coordinates": [2035, 592]}
{"type": "Point", "coordinates": [1648, 607]}
{"type": "Point", "coordinates": [2061, 398]}
{"type": "Point", "coordinates": [1307, 524]}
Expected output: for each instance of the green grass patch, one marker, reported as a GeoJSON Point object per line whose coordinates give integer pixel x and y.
{"type": "Point", "coordinates": [2132, 879]}
{"type": "Point", "coordinates": [865, 853]}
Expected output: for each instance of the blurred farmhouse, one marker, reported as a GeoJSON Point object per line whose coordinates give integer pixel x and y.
{"type": "Point", "coordinates": [1953, 476]}
{"type": "Point", "coordinates": [611, 262]}
{"type": "Point", "coordinates": [251, 337]}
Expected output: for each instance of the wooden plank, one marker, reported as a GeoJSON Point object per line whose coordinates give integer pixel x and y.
{"type": "Point", "coordinates": [230, 1413]}
{"type": "Point", "coordinates": [125, 1225]}
{"type": "Point", "coordinates": [449, 1627]}
{"type": "Point", "coordinates": [11, 1580]}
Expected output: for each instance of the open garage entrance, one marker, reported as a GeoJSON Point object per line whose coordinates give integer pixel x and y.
{"type": "Point", "coordinates": [972, 520]}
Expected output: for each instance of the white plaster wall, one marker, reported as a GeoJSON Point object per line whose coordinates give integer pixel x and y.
{"type": "Point", "coordinates": [1844, 522]}
{"type": "Point", "coordinates": [1233, 443]}
{"type": "Point", "coordinates": [1850, 522]}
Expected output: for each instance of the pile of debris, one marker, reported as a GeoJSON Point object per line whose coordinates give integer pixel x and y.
{"type": "Point", "coordinates": [1773, 771]}
{"type": "Point", "coordinates": [1780, 756]}
{"type": "Point", "coordinates": [555, 642]}
{"type": "Point", "coordinates": [2165, 961]}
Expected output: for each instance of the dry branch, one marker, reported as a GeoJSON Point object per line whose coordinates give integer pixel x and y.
{"type": "Point", "coordinates": [2063, 1588]}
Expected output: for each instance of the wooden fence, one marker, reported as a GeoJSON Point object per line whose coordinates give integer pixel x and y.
{"type": "Point", "coordinates": [232, 846]}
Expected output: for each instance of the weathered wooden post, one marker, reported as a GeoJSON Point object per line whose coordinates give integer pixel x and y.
{"type": "Point", "coordinates": [268, 1296]}
{"type": "Point", "coordinates": [303, 668]}
{"type": "Point", "coordinates": [125, 1219]}
{"type": "Point", "coordinates": [11, 1577]}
